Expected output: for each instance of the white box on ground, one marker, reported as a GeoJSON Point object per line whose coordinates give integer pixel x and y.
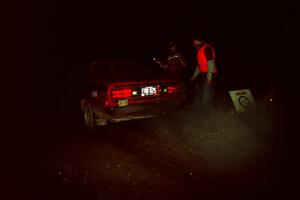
{"type": "Point", "coordinates": [242, 99]}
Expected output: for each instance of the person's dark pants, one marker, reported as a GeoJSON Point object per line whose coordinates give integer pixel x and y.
{"type": "Point", "coordinates": [203, 93]}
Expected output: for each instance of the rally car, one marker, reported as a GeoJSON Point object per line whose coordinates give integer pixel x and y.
{"type": "Point", "coordinates": [121, 90]}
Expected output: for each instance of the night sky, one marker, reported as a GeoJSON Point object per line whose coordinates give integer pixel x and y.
{"type": "Point", "coordinates": [252, 39]}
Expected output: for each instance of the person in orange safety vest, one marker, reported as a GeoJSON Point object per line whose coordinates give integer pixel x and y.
{"type": "Point", "coordinates": [204, 76]}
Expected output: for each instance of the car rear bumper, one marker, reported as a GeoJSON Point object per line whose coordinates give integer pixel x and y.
{"type": "Point", "coordinates": [134, 112]}
{"type": "Point", "coordinates": [133, 117]}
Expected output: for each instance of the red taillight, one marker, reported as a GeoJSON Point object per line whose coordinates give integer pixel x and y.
{"type": "Point", "coordinates": [122, 93]}
{"type": "Point", "coordinates": [172, 89]}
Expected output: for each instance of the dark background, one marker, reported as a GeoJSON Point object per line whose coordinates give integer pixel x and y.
{"type": "Point", "coordinates": [254, 40]}
{"type": "Point", "coordinates": [49, 42]}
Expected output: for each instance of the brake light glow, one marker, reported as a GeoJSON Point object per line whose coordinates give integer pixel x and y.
{"type": "Point", "coordinates": [122, 93]}
{"type": "Point", "coordinates": [171, 89]}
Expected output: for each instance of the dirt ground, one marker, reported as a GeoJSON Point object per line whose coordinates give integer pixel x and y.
{"type": "Point", "coordinates": [185, 155]}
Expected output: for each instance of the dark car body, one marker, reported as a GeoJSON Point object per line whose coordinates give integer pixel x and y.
{"type": "Point", "coordinates": [120, 90]}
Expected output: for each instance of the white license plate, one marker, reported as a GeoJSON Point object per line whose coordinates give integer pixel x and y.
{"type": "Point", "coordinates": [123, 102]}
{"type": "Point", "coordinates": [148, 91]}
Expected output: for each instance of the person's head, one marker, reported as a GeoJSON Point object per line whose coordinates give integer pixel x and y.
{"type": "Point", "coordinates": [197, 40]}
{"type": "Point", "coordinates": [172, 47]}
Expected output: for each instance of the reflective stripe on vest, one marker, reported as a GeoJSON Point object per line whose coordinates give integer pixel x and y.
{"type": "Point", "coordinates": [202, 61]}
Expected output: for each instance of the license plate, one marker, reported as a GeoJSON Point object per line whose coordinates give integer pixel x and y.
{"type": "Point", "coordinates": [148, 91]}
{"type": "Point", "coordinates": [123, 102]}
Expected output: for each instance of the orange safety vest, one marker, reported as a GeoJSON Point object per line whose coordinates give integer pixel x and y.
{"type": "Point", "coordinates": [202, 61]}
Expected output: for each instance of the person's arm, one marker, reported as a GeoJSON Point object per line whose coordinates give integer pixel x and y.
{"type": "Point", "coordinates": [211, 68]}
{"type": "Point", "coordinates": [183, 63]}
{"type": "Point", "coordinates": [160, 63]}
{"type": "Point", "coordinates": [181, 59]}
{"type": "Point", "coordinates": [211, 64]}
{"type": "Point", "coordinates": [196, 73]}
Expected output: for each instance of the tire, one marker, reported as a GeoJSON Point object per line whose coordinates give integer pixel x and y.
{"type": "Point", "coordinates": [88, 116]}
{"type": "Point", "coordinates": [101, 121]}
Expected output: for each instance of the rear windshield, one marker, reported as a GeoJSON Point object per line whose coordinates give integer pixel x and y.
{"type": "Point", "coordinates": [124, 70]}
